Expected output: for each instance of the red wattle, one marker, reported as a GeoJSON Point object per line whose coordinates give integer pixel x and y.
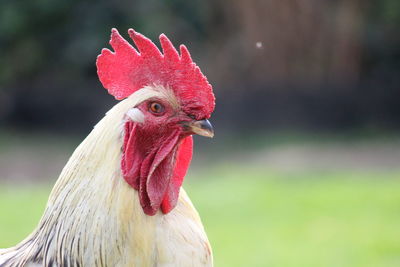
{"type": "Point", "coordinates": [157, 174]}
{"type": "Point", "coordinates": [131, 158]}
{"type": "Point", "coordinates": [182, 162]}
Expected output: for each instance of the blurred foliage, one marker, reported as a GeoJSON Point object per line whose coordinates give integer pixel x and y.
{"type": "Point", "coordinates": [299, 64]}
{"type": "Point", "coordinates": [312, 218]}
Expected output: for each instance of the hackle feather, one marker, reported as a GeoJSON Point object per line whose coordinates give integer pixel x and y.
{"type": "Point", "coordinates": [93, 217]}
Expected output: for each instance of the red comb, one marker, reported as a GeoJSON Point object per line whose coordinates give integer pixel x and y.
{"type": "Point", "coordinates": [127, 70]}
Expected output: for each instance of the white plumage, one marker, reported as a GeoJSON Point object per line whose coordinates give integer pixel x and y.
{"type": "Point", "coordinates": [93, 217]}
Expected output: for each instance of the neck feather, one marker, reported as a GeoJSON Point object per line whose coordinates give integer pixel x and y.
{"type": "Point", "coordinates": [91, 206]}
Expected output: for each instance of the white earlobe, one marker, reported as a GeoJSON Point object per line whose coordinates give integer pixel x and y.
{"type": "Point", "coordinates": [135, 115]}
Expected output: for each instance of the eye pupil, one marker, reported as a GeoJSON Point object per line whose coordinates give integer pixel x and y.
{"type": "Point", "coordinates": [156, 107]}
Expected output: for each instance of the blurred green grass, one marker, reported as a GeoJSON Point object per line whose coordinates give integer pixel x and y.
{"type": "Point", "coordinates": [259, 217]}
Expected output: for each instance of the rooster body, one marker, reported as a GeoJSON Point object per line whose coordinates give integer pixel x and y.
{"type": "Point", "coordinates": [99, 215]}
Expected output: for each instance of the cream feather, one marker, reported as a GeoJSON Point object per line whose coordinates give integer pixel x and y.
{"type": "Point", "coordinates": [93, 217]}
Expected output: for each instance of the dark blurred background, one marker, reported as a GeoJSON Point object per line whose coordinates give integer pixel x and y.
{"type": "Point", "coordinates": [310, 65]}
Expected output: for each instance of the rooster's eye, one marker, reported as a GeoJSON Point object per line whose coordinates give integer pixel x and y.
{"type": "Point", "coordinates": [156, 108]}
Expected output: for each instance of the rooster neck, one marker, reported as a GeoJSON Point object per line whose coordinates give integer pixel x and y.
{"type": "Point", "coordinates": [99, 211]}
{"type": "Point", "coordinates": [94, 218]}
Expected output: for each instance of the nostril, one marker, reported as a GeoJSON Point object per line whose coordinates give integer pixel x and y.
{"type": "Point", "coordinates": [185, 125]}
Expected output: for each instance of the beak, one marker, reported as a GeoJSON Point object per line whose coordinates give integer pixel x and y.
{"type": "Point", "coordinates": [203, 128]}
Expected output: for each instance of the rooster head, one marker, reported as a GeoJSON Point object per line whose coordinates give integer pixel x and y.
{"type": "Point", "coordinates": [157, 143]}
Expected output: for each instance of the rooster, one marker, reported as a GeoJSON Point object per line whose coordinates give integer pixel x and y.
{"type": "Point", "coordinates": [118, 201]}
